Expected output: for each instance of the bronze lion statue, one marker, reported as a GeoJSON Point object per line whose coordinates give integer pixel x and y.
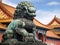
{"type": "Point", "coordinates": [21, 31]}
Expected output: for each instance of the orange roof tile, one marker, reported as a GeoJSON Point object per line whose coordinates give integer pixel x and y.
{"type": "Point", "coordinates": [57, 32]}
{"type": "Point", "coordinates": [6, 12]}
{"type": "Point", "coordinates": [37, 23]}
{"type": "Point", "coordinates": [3, 15]}
{"type": "Point", "coordinates": [6, 20]}
{"type": "Point", "coordinates": [9, 8]}
{"type": "Point", "coordinates": [2, 27]}
{"type": "Point", "coordinates": [52, 34]}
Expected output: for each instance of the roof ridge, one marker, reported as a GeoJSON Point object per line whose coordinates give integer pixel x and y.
{"type": "Point", "coordinates": [54, 19]}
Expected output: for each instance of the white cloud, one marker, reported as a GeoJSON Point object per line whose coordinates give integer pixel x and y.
{"type": "Point", "coordinates": [9, 3]}
{"type": "Point", "coordinates": [53, 3]}
{"type": "Point", "coordinates": [46, 16]}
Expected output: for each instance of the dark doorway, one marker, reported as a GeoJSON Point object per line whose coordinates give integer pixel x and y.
{"type": "Point", "coordinates": [40, 36]}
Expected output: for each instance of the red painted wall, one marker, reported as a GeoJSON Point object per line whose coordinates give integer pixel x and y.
{"type": "Point", "coordinates": [52, 42]}
{"type": "Point", "coordinates": [0, 37]}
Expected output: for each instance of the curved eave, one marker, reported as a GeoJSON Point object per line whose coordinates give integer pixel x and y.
{"type": "Point", "coordinates": [57, 32]}
{"type": "Point", "coordinates": [39, 27]}
{"type": "Point", "coordinates": [39, 24]}
{"type": "Point", "coordinates": [2, 27]}
{"type": "Point", "coordinates": [52, 34]}
{"type": "Point", "coordinates": [54, 37]}
{"type": "Point", "coordinates": [6, 20]}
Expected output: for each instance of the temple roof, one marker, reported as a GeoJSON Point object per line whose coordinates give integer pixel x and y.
{"type": "Point", "coordinates": [6, 12]}
{"type": "Point", "coordinates": [9, 8]}
{"type": "Point", "coordinates": [54, 23]}
{"type": "Point", "coordinates": [4, 17]}
{"type": "Point", "coordinates": [52, 34]}
{"type": "Point", "coordinates": [39, 24]}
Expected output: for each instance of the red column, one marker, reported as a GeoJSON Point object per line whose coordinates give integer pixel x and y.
{"type": "Point", "coordinates": [1, 37]}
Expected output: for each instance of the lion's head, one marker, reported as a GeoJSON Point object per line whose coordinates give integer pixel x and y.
{"type": "Point", "coordinates": [24, 9]}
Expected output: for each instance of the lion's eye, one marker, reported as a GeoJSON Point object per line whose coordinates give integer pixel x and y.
{"type": "Point", "coordinates": [29, 11]}
{"type": "Point", "coordinates": [24, 8]}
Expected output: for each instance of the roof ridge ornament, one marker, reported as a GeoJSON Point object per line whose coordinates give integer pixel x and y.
{"type": "Point", "coordinates": [55, 16]}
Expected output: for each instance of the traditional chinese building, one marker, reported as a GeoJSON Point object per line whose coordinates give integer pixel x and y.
{"type": "Point", "coordinates": [49, 33]}
{"type": "Point", "coordinates": [53, 35]}
{"type": "Point", "coordinates": [6, 15]}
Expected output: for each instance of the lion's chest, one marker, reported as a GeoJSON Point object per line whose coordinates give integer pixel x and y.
{"type": "Point", "coordinates": [29, 25]}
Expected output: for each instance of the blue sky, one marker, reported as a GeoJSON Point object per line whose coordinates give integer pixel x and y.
{"type": "Point", "coordinates": [45, 9]}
